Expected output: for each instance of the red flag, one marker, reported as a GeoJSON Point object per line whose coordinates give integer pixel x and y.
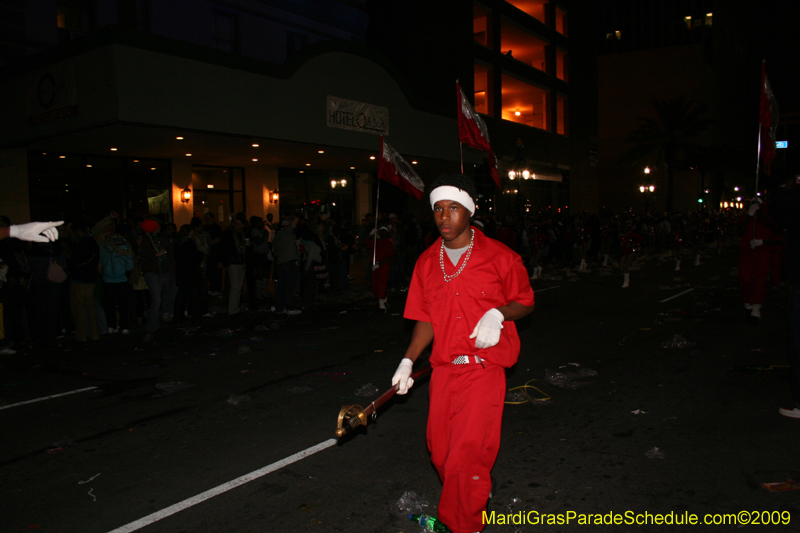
{"type": "Point", "coordinates": [768, 118]}
{"type": "Point", "coordinates": [472, 132]}
{"type": "Point", "coordinates": [394, 169]}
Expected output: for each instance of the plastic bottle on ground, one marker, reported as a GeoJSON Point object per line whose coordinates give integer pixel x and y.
{"type": "Point", "coordinates": [430, 523]}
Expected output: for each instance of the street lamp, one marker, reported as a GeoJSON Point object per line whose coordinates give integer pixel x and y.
{"type": "Point", "coordinates": [647, 190]}
{"type": "Point", "coordinates": [519, 171]}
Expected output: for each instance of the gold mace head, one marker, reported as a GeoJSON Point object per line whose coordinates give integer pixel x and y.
{"type": "Point", "coordinates": [350, 417]}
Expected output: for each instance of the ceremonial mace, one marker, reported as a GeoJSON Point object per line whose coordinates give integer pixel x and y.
{"type": "Point", "coordinates": [352, 416]}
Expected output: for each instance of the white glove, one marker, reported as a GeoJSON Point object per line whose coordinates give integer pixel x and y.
{"type": "Point", "coordinates": [372, 232]}
{"type": "Point", "coordinates": [402, 377]}
{"type": "Point", "coordinates": [375, 267]}
{"type": "Point", "coordinates": [35, 231]}
{"type": "Point", "coordinates": [753, 208]}
{"type": "Point", "coordinates": [756, 242]}
{"type": "Point", "coordinates": [487, 331]}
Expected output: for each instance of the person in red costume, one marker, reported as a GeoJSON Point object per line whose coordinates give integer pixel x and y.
{"type": "Point", "coordinates": [465, 294]}
{"type": "Point", "coordinates": [582, 235]}
{"type": "Point", "coordinates": [757, 238]}
{"type": "Point", "coordinates": [678, 240]}
{"type": "Point", "coordinates": [382, 250]}
{"type": "Point", "coordinates": [629, 242]}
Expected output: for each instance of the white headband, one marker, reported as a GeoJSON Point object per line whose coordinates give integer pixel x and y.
{"type": "Point", "coordinates": [448, 192]}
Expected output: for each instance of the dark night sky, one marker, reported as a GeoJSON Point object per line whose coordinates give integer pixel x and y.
{"type": "Point", "coordinates": [778, 43]}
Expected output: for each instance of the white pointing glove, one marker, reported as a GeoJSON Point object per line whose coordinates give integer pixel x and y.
{"type": "Point", "coordinates": [402, 377]}
{"type": "Point", "coordinates": [753, 208]}
{"type": "Point", "coordinates": [35, 231]}
{"type": "Point", "coordinates": [756, 242]}
{"type": "Point", "coordinates": [487, 331]}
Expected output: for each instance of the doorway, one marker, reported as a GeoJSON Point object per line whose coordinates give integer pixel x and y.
{"type": "Point", "coordinates": [219, 191]}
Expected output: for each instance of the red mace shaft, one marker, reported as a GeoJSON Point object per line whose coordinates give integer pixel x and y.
{"type": "Point", "coordinates": [352, 416]}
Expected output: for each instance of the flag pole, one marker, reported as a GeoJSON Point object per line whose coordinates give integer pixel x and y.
{"type": "Point", "coordinates": [460, 144]}
{"type": "Point", "coordinates": [758, 151]}
{"type": "Point", "coordinates": [377, 203]}
{"type": "Point", "coordinates": [758, 161]}
{"type": "Point", "coordinates": [377, 206]}
{"type": "Point", "coordinates": [758, 165]}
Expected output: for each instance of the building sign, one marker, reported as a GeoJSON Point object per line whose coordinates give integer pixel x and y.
{"type": "Point", "coordinates": [357, 116]}
{"type": "Point", "coordinates": [781, 144]}
{"type": "Point", "coordinates": [52, 95]}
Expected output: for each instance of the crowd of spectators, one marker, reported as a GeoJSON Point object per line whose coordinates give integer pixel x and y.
{"type": "Point", "coordinates": [131, 276]}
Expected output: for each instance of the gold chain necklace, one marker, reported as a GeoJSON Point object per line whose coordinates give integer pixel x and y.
{"type": "Point", "coordinates": [447, 277]}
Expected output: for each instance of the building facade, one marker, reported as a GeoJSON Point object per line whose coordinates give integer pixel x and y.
{"type": "Point", "coordinates": [135, 105]}
{"type": "Point", "coordinates": [707, 52]}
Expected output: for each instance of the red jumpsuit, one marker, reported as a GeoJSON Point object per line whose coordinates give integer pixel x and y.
{"type": "Point", "coordinates": [629, 242]}
{"type": "Point", "coordinates": [582, 234]}
{"type": "Point", "coordinates": [466, 400]}
{"type": "Point", "coordinates": [380, 277]}
{"type": "Point", "coordinates": [754, 263]}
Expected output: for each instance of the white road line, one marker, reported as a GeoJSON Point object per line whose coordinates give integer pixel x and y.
{"type": "Point", "coordinates": [46, 398]}
{"type": "Point", "coordinates": [194, 500]}
{"type": "Point", "coordinates": [548, 288]}
{"type": "Point", "coordinates": [679, 294]}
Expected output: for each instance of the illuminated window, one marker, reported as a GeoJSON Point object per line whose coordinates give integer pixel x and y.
{"type": "Point", "coordinates": [484, 97]}
{"type": "Point", "coordinates": [534, 8]}
{"type": "Point", "coordinates": [688, 21]}
{"type": "Point", "coordinates": [561, 21]}
{"type": "Point", "coordinates": [525, 103]}
{"type": "Point", "coordinates": [481, 26]}
{"type": "Point", "coordinates": [709, 16]}
{"type": "Point", "coordinates": [562, 115]}
{"type": "Point", "coordinates": [523, 46]}
{"type": "Point", "coordinates": [224, 31]}
{"type": "Point", "coordinates": [561, 65]}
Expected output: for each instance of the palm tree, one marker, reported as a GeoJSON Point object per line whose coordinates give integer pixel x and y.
{"type": "Point", "coordinates": [671, 136]}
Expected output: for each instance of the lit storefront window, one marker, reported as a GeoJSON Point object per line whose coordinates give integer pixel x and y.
{"type": "Point", "coordinates": [97, 185]}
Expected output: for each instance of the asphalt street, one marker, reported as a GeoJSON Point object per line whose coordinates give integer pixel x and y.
{"type": "Point", "coordinates": [662, 408]}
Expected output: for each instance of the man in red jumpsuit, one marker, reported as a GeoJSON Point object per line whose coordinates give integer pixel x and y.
{"type": "Point", "coordinates": [466, 291]}
{"type": "Point", "coordinates": [382, 251]}
{"type": "Point", "coordinates": [757, 239]}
